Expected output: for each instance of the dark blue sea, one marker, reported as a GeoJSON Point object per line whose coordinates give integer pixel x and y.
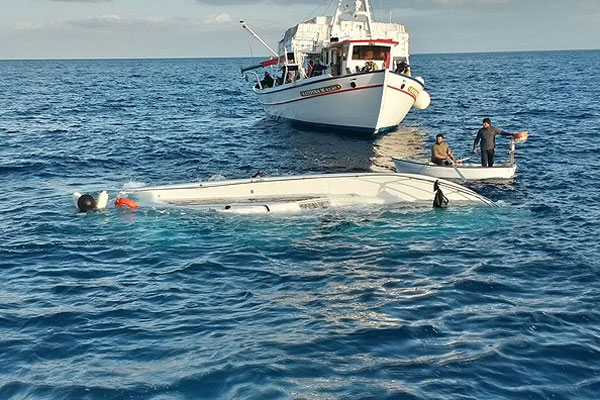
{"type": "Point", "coordinates": [369, 303]}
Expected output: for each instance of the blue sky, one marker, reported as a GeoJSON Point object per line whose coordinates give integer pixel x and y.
{"type": "Point", "coordinates": [32, 29]}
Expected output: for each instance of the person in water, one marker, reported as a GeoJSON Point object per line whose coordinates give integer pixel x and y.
{"type": "Point", "coordinates": [440, 152]}
{"type": "Point", "coordinates": [487, 136]}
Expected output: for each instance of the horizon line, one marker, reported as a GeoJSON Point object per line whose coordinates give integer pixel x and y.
{"type": "Point", "coordinates": [253, 57]}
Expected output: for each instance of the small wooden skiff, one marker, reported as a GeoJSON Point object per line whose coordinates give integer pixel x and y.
{"type": "Point", "coordinates": [464, 171]}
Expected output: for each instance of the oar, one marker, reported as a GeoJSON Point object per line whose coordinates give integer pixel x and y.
{"type": "Point", "coordinates": [456, 169]}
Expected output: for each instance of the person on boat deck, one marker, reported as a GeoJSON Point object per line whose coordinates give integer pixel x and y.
{"type": "Point", "coordinates": [282, 77]}
{"type": "Point", "coordinates": [267, 81]}
{"type": "Point", "coordinates": [487, 136]}
{"type": "Point", "coordinates": [369, 66]}
{"type": "Point", "coordinates": [311, 67]}
{"type": "Point", "coordinates": [318, 68]}
{"type": "Point", "coordinates": [387, 59]}
{"type": "Point", "coordinates": [440, 151]}
{"type": "Point", "coordinates": [401, 67]}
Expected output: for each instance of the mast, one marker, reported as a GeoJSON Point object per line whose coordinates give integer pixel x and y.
{"type": "Point", "coordinates": [266, 46]}
{"type": "Point", "coordinates": [353, 10]}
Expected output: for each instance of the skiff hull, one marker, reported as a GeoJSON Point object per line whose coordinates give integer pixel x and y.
{"type": "Point", "coordinates": [470, 172]}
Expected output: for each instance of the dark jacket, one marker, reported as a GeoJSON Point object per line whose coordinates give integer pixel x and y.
{"type": "Point", "coordinates": [267, 81]}
{"type": "Point", "coordinates": [318, 69]}
{"type": "Point", "coordinates": [488, 137]}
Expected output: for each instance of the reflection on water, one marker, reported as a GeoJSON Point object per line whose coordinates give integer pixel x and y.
{"type": "Point", "coordinates": [302, 150]}
{"type": "Point", "coordinates": [404, 142]}
{"type": "Point", "coordinates": [329, 151]}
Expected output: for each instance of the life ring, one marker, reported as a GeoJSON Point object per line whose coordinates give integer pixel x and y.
{"type": "Point", "coordinates": [125, 202]}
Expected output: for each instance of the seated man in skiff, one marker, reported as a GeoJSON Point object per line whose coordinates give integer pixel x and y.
{"type": "Point", "coordinates": [440, 152]}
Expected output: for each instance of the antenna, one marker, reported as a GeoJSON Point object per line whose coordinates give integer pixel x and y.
{"type": "Point", "coordinates": [353, 10]}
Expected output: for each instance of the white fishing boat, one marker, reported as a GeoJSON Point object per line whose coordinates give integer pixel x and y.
{"type": "Point", "coordinates": [344, 71]}
{"type": "Point", "coordinates": [296, 193]}
{"type": "Point", "coordinates": [464, 171]}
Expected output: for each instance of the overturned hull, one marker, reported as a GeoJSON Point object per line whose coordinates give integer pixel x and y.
{"type": "Point", "coordinates": [297, 193]}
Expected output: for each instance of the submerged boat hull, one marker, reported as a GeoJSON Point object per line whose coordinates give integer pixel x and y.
{"type": "Point", "coordinates": [295, 193]}
{"type": "Point", "coordinates": [369, 102]}
{"type": "Point", "coordinates": [469, 172]}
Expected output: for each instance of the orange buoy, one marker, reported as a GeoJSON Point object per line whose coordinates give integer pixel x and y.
{"type": "Point", "coordinates": [125, 202]}
{"type": "Point", "coordinates": [521, 135]}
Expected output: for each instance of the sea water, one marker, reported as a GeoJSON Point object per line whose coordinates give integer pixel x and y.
{"type": "Point", "coordinates": [370, 302]}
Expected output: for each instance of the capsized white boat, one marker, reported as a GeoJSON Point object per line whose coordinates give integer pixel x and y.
{"type": "Point", "coordinates": [464, 171]}
{"type": "Point", "coordinates": [296, 193]}
{"type": "Point", "coordinates": [344, 71]}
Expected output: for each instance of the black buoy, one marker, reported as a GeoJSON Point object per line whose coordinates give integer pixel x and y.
{"type": "Point", "coordinates": [86, 203]}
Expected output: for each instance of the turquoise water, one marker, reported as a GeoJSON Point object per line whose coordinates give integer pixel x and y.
{"type": "Point", "coordinates": [375, 302]}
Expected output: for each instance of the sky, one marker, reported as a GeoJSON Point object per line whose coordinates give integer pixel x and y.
{"type": "Point", "coordinates": [67, 29]}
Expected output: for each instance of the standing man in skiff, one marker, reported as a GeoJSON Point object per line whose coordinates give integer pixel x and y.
{"type": "Point", "coordinates": [487, 136]}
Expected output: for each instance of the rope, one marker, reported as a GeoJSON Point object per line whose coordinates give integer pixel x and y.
{"type": "Point", "coordinates": [313, 12]}
{"type": "Point", "coordinates": [250, 46]}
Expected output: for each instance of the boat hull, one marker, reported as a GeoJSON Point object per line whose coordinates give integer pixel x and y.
{"type": "Point", "coordinates": [369, 102]}
{"type": "Point", "coordinates": [462, 171]}
{"type": "Point", "coordinates": [309, 191]}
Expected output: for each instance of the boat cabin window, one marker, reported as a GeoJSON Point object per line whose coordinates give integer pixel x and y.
{"type": "Point", "coordinates": [370, 52]}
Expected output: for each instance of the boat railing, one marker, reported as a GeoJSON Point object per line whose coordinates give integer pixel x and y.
{"type": "Point", "coordinates": [256, 77]}
{"type": "Point", "coordinates": [511, 152]}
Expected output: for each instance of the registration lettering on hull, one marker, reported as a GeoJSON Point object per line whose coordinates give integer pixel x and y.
{"type": "Point", "coordinates": [321, 90]}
